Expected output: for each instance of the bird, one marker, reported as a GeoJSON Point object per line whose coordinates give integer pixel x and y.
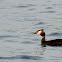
{"type": "Point", "coordinates": [55, 42]}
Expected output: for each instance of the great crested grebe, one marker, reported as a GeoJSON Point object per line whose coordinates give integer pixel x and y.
{"type": "Point", "coordinates": [56, 42]}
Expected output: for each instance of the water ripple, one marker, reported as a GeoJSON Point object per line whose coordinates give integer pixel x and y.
{"type": "Point", "coordinates": [22, 6]}
{"type": "Point", "coordinates": [39, 23]}
{"type": "Point", "coordinates": [55, 34]}
{"type": "Point", "coordinates": [49, 8]}
{"type": "Point", "coordinates": [22, 57]}
{"type": "Point", "coordinates": [11, 41]}
{"type": "Point", "coordinates": [6, 36]}
{"type": "Point", "coordinates": [25, 6]}
{"type": "Point", "coordinates": [31, 9]}
{"type": "Point", "coordinates": [27, 42]}
{"type": "Point", "coordinates": [48, 12]}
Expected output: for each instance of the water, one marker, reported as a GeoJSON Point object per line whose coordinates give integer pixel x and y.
{"type": "Point", "coordinates": [19, 19]}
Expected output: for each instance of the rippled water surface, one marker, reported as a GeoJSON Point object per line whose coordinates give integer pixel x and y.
{"type": "Point", "coordinates": [19, 19]}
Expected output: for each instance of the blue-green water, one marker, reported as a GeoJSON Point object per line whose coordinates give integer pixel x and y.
{"type": "Point", "coordinates": [19, 19]}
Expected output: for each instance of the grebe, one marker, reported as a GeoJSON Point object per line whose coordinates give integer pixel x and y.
{"type": "Point", "coordinates": [56, 42]}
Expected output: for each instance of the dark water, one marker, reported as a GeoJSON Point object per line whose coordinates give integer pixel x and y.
{"type": "Point", "coordinates": [19, 19]}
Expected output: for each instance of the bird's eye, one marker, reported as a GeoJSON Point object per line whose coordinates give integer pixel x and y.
{"type": "Point", "coordinates": [38, 30]}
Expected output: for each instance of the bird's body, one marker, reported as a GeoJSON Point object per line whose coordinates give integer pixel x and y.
{"type": "Point", "coordinates": [56, 42]}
